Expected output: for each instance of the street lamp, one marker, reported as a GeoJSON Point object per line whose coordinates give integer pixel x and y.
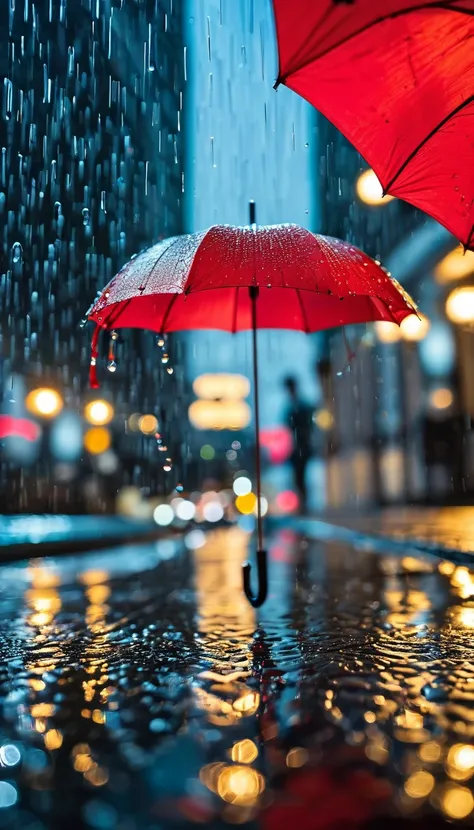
{"type": "Point", "coordinates": [460, 305]}
{"type": "Point", "coordinates": [369, 189]}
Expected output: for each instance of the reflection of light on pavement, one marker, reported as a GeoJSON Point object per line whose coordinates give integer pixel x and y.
{"type": "Point", "coordinates": [419, 784]}
{"type": "Point", "coordinates": [240, 785]}
{"type": "Point", "coordinates": [297, 757]}
{"type": "Point", "coordinates": [225, 616]}
{"type": "Point", "coordinates": [460, 762]}
{"type": "Point", "coordinates": [96, 688]}
{"type": "Point", "coordinates": [44, 600]}
{"type": "Point", "coordinates": [462, 617]}
{"type": "Point", "coordinates": [42, 597]}
{"type": "Point", "coordinates": [244, 752]}
{"type": "Point", "coordinates": [430, 751]}
{"type": "Point", "coordinates": [457, 802]}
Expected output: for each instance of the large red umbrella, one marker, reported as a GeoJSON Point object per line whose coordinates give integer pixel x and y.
{"type": "Point", "coordinates": [396, 77]}
{"type": "Point", "coordinates": [236, 278]}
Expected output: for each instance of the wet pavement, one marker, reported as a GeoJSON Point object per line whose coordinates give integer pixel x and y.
{"type": "Point", "coordinates": [139, 690]}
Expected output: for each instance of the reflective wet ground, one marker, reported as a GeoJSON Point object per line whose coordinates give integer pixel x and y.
{"type": "Point", "coordinates": [139, 690]}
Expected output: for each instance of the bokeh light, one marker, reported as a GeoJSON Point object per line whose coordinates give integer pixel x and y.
{"type": "Point", "coordinates": [369, 189]}
{"type": "Point", "coordinates": [323, 419]}
{"type": "Point", "coordinates": [163, 515]}
{"type": "Point", "coordinates": [456, 265]}
{"type": "Point", "coordinates": [98, 412]}
{"type": "Point", "coordinates": [219, 415]}
{"type": "Point", "coordinates": [457, 802]}
{"type": "Point", "coordinates": [242, 485]}
{"type": "Point", "coordinates": [213, 387]}
{"type": "Point", "coordinates": [246, 504]}
{"type": "Point", "coordinates": [441, 398]}
{"type": "Point", "coordinates": [97, 440]}
{"type": "Point", "coordinates": [387, 332]}
{"type": "Point", "coordinates": [148, 424]}
{"type": "Point", "coordinates": [244, 752]}
{"type": "Point", "coordinates": [213, 511]}
{"type": "Point", "coordinates": [185, 510]}
{"type": "Point", "coordinates": [66, 437]}
{"type": "Point", "coordinates": [44, 402]}
{"type": "Point", "coordinates": [460, 305]}
{"type": "Point", "coordinates": [207, 452]}
{"type": "Point", "coordinates": [414, 328]}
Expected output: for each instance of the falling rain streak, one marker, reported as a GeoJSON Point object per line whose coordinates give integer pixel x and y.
{"type": "Point", "coordinates": [83, 188]}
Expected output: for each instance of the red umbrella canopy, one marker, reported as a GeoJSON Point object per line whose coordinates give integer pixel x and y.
{"type": "Point", "coordinates": [396, 77]}
{"type": "Point", "coordinates": [202, 281]}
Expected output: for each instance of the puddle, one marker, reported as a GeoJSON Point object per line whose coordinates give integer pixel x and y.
{"type": "Point", "coordinates": [140, 691]}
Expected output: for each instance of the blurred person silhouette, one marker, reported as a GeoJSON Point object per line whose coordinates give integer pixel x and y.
{"type": "Point", "coordinates": [299, 418]}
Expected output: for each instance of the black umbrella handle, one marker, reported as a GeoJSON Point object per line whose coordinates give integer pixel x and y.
{"type": "Point", "coordinates": [262, 573]}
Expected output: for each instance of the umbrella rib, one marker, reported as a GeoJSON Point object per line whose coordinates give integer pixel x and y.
{"type": "Point", "coordinates": [425, 141]}
{"type": "Point", "coordinates": [163, 252]}
{"type": "Point", "coordinates": [236, 303]}
{"type": "Point", "coordinates": [303, 312]}
{"type": "Point", "coordinates": [167, 312]}
{"type": "Point", "coordinates": [446, 6]}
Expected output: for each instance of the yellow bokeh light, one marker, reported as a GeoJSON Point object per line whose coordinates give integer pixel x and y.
{"type": "Point", "coordinates": [46, 403]}
{"type": "Point", "coordinates": [246, 504]}
{"type": "Point", "coordinates": [457, 802]}
{"type": "Point", "coordinates": [217, 415]}
{"type": "Point", "coordinates": [97, 440]}
{"type": "Point", "coordinates": [148, 424]}
{"type": "Point", "coordinates": [414, 328]}
{"type": "Point", "coordinates": [134, 421]}
{"type": "Point", "coordinates": [240, 785]}
{"type": "Point", "coordinates": [97, 776]}
{"type": "Point", "coordinates": [83, 762]}
{"type": "Point", "coordinates": [53, 739]}
{"type": "Point", "coordinates": [94, 577]}
{"type": "Point", "coordinates": [98, 412]}
{"type": "Point", "coordinates": [460, 305]}
{"type": "Point", "coordinates": [369, 189]}
{"type": "Point", "coordinates": [387, 332]}
{"type": "Point", "coordinates": [248, 703]}
{"type": "Point", "coordinates": [430, 752]}
{"type": "Point", "coordinates": [244, 752]}
{"type": "Point", "coordinates": [419, 784]}
{"type": "Point", "coordinates": [441, 398]}
{"type": "Point", "coordinates": [297, 757]}
{"type": "Point", "coordinates": [323, 419]}
{"type": "Point", "coordinates": [221, 386]}
{"type": "Point", "coordinates": [43, 710]}
{"type": "Point", "coordinates": [460, 761]}
{"type": "Point", "coordinates": [455, 266]}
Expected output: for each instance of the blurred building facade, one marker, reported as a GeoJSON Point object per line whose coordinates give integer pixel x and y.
{"type": "Point", "coordinates": [92, 171]}
{"type": "Point", "coordinates": [410, 391]}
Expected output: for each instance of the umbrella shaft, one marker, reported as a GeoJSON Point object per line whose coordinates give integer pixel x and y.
{"type": "Point", "coordinates": [253, 290]}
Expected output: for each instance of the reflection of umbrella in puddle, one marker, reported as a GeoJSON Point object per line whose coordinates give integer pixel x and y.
{"type": "Point", "coordinates": [238, 278]}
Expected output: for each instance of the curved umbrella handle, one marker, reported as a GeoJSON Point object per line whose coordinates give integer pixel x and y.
{"type": "Point", "coordinates": [262, 573]}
